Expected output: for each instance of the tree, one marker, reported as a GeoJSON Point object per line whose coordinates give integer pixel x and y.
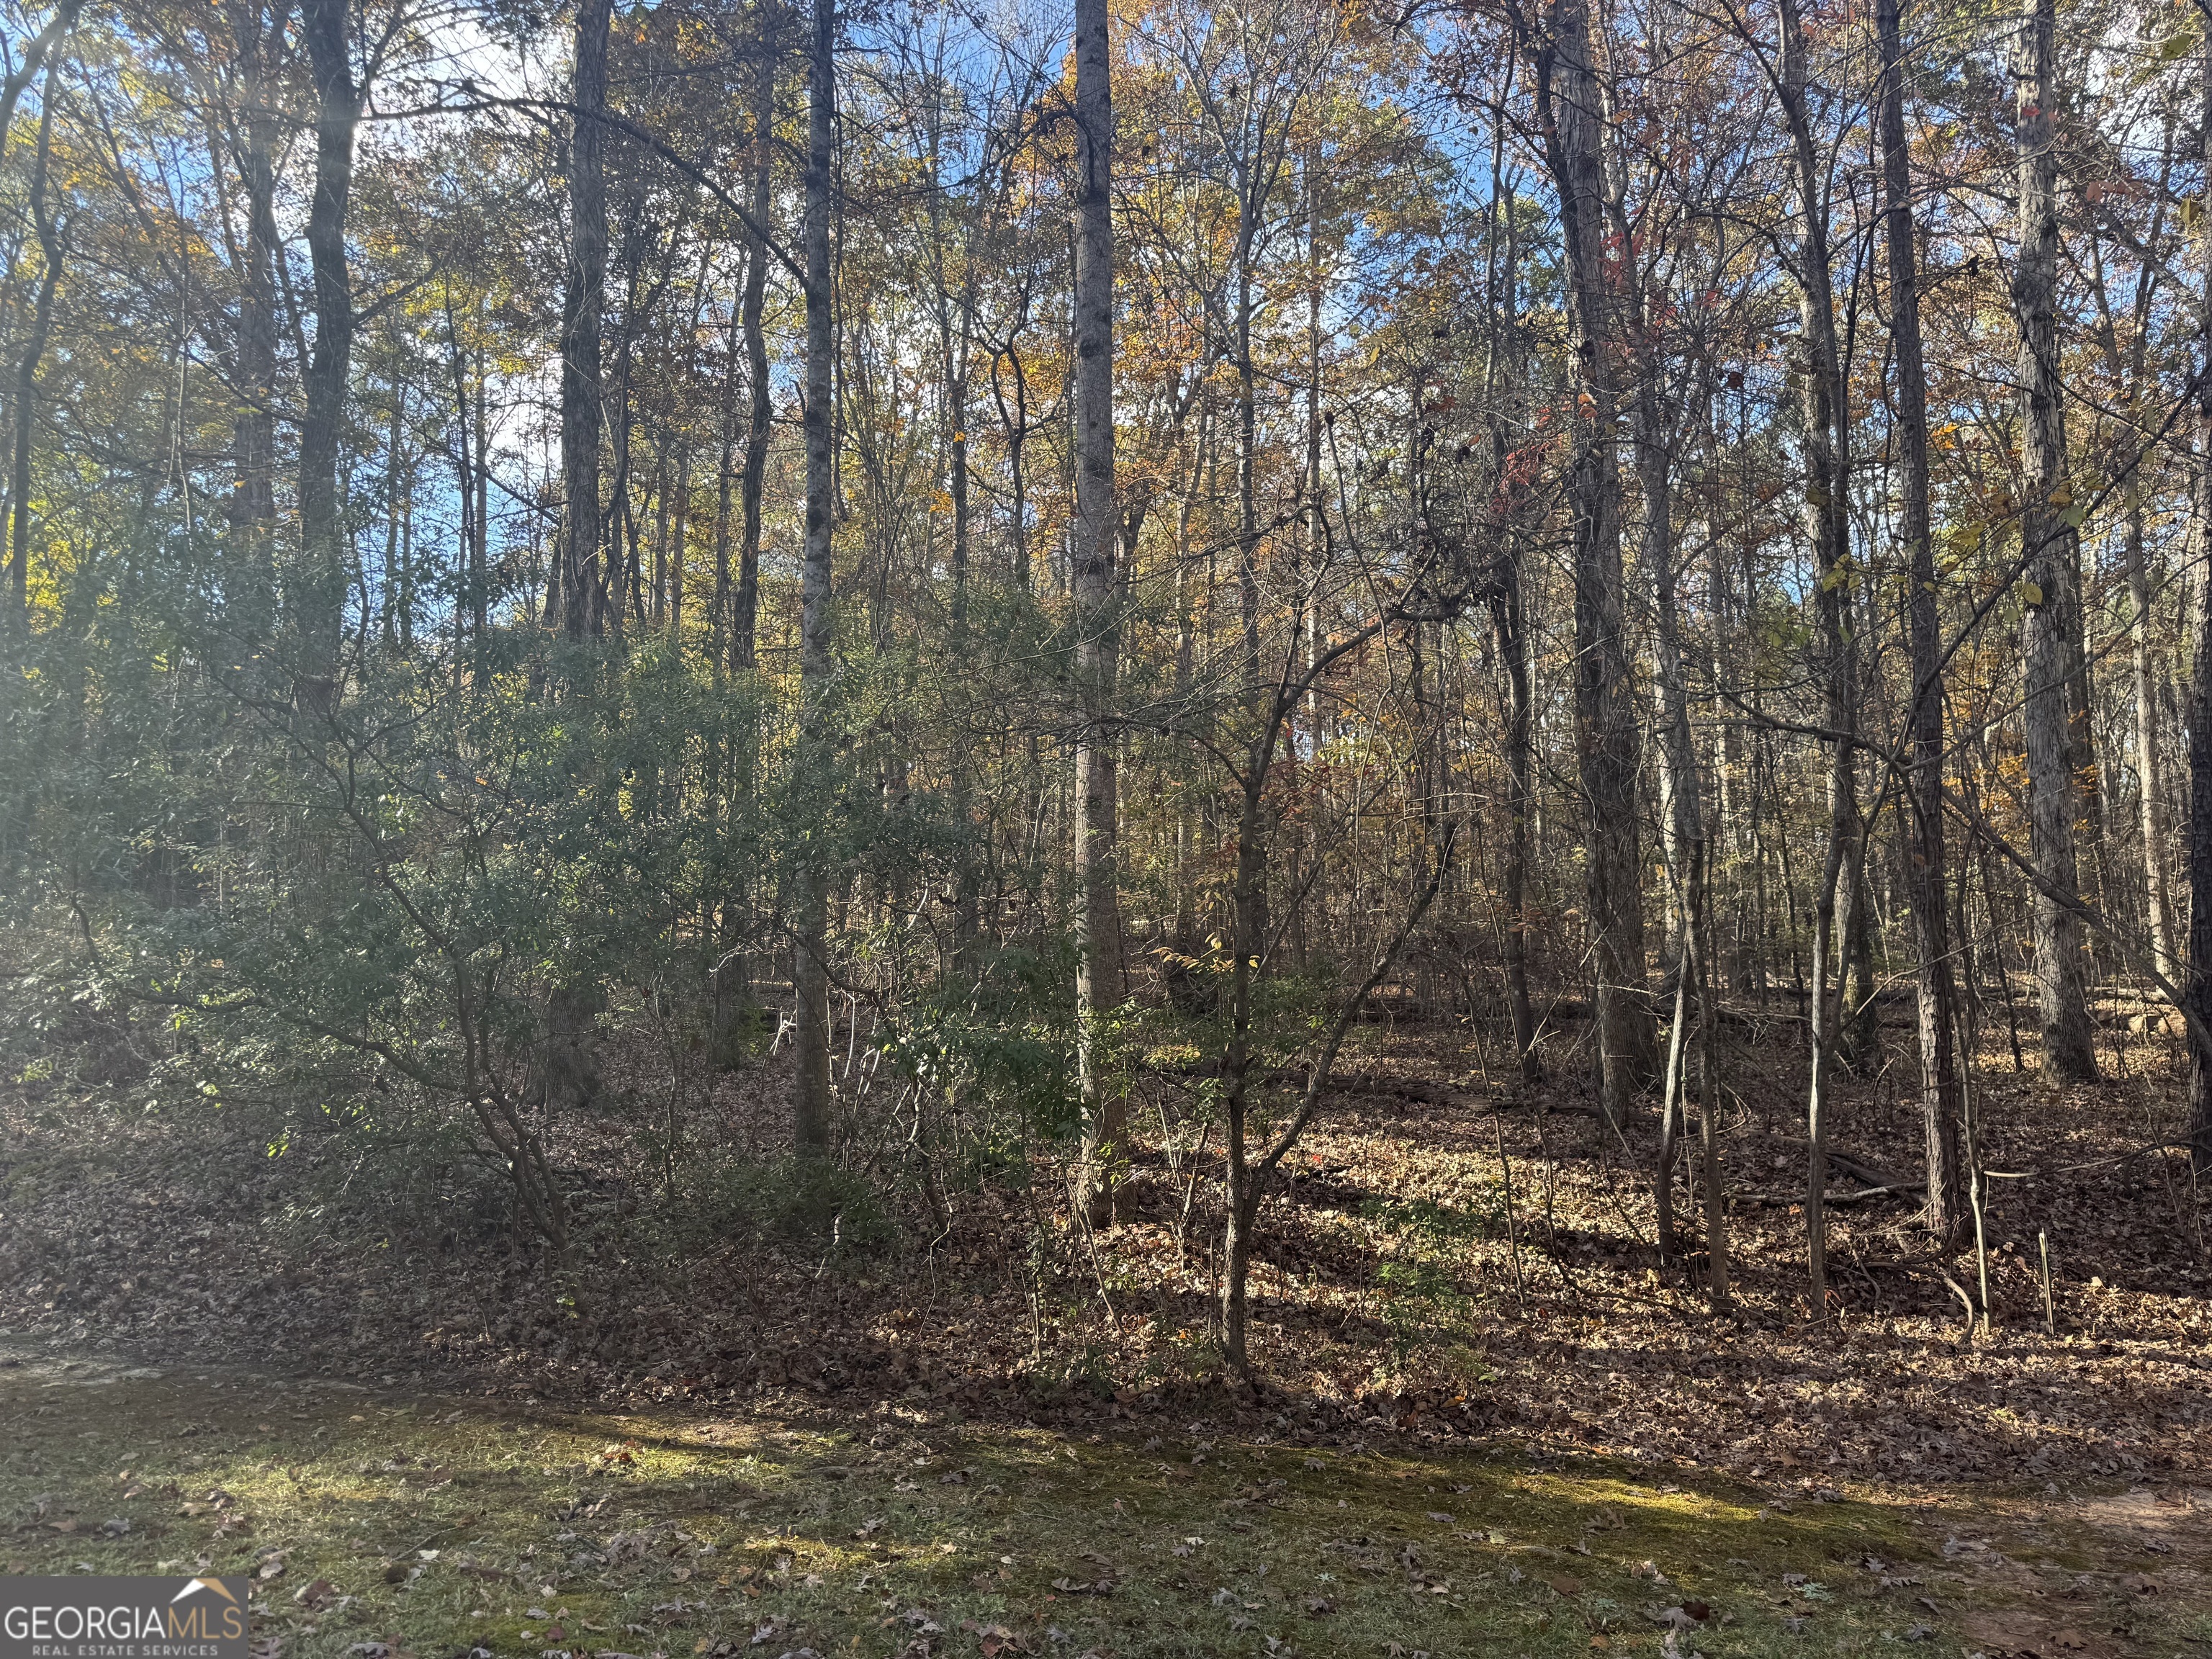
{"type": "Point", "coordinates": [1936, 1001]}
{"type": "Point", "coordinates": [1827, 501]}
{"type": "Point", "coordinates": [2050, 641]}
{"type": "Point", "coordinates": [322, 528]}
{"type": "Point", "coordinates": [46, 229]}
{"type": "Point", "coordinates": [582, 302]}
{"type": "Point", "coordinates": [1570, 115]}
{"type": "Point", "coordinates": [2198, 988]}
{"type": "Point", "coordinates": [810, 969]}
{"type": "Point", "coordinates": [1098, 982]}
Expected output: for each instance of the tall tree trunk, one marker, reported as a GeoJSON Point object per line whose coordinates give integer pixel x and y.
{"type": "Point", "coordinates": [2151, 760]}
{"type": "Point", "coordinates": [1822, 1017]}
{"type": "Point", "coordinates": [2050, 644]}
{"type": "Point", "coordinates": [1510, 621]}
{"type": "Point", "coordinates": [657, 600]}
{"type": "Point", "coordinates": [1571, 112]}
{"type": "Point", "coordinates": [1685, 816]}
{"type": "Point", "coordinates": [1827, 476]}
{"type": "Point", "coordinates": [394, 490]}
{"type": "Point", "coordinates": [480, 548]}
{"type": "Point", "coordinates": [1924, 851]}
{"type": "Point", "coordinates": [746, 609]}
{"type": "Point", "coordinates": [810, 902]}
{"type": "Point", "coordinates": [2199, 987]}
{"type": "Point", "coordinates": [2129, 367]}
{"type": "Point", "coordinates": [624, 583]}
{"type": "Point", "coordinates": [322, 540]}
{"type": "Point", "coordinates": [956, 353]}
{"type": "Point", "coordinates": [1734, 842]}
{"type": "Point", "coordinates": [1248, 504]}
{"type": "Point", "coordinates": [466, 462]}
{"type": "Point", "coordinates": [725, 480]}
{"type": "Point", "coordinates": [1687, 833]}
{"type": "Point", "coordinates": [1242, 1186]}
{"type": "Point", "coordinates": [18, 624]}
{"type": "Point", "coordinates": [1306, 853]}
{"type": "Point", "coordinates": [679, 532]}
{"type": "Point", "coordinates": [733, 976]}
{"type": "Point", "coordinates": [1098, 969]}
{"type": "Point", "coordinates": [582, 301]}
{"type": "Point", "coordinates": [252, 509]}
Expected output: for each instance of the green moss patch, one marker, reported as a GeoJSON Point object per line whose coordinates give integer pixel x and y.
{"type": "Point", "coordinates": [433, 1527]}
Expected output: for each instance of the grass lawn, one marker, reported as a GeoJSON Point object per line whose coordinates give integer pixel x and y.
{"type": "Point", "coordinates": [432, 1526]}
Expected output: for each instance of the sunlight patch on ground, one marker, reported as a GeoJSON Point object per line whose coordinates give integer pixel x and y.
{"type": "Point", "coordinates": [431, 1527]}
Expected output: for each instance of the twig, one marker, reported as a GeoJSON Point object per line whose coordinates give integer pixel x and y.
{"type": "Point", "coordinates": [1512, 1232]}
{"type": "Point", "coordinates": [1851, 1197]}
{"type": "Point", "coordinates": [1965, 1302]}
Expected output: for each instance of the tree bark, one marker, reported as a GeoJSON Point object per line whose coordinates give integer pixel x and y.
{"type": "Point", "coordinates": [1937, 1000]}
{"type": "Point", "coordinates": [2151, 760]}
{"type": "Point", "coordinates": [1509, 618]}
{"type": "Point", "coordinates": [1685, 812]}
{"type": "Point", "coordinates": [810, 901]}
{"type": "Point", "coordinates": [18, 627]}
{"type": "Point", "coordinates": [394, 595]}
{"type": "Point", "coordinates": [2129, 371]}
{"type": "Point", "coordinates": [718, 648]}
{"type": "Point", "coordinates": [2050, 644]}
{"type": "Point", "coordinates": [1097, 980]}
{"type": "Point", "coordinates": [733, 977]}
{"type": "Point", "coordinates": [2199, 989]}
{"type": "Point", "coordinates": [31, 61]}
{"type": "Point", "coordinates": [1571, 112]}
{"type": "Point", "coordinates": [322, 518]}
{"type": "Point", "coordinates": [744, 622]}
{"type": "Point", "coordinates": [1827, 526]}
{"type": "Point", "coordinates": [583, 299]}
{"type": "Point", "coordinates": [253, 508]}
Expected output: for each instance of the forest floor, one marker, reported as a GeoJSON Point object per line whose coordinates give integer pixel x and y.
{"type": "Point", "coordinates": [1510, 1394]}
{"type": "Point", "coordinates": [376, 1525]}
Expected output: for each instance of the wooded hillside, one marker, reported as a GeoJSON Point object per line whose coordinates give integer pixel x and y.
{"type": "Point", "coordinates": [1349, 699]}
